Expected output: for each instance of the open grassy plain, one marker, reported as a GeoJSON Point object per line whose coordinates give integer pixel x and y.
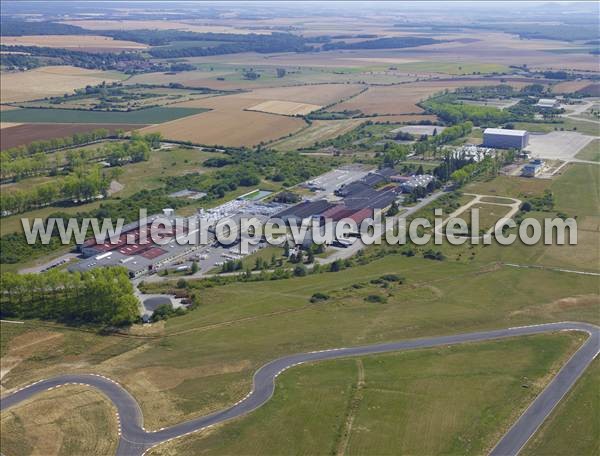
{"type": "Point", "coordinates": [576, 194]}
{"type": "Point", "coordinates": [197, 78]}
{"type": "Point", "coordinates": [568, 123]}
{"type": "Point", "coordinates": [50, 81]}
{"type": "Point", "coordinates": [205, 360]}
{"type": "Point", "coordinates": [590, 152]}
{"type": "Point", "coordinates": [489, 214]}
{"type": "Point", "coordinates": [510, 186]}
{"type": "Point", "coordinates": [453, 68]}
{"type": "Point", "coordinates": [466, 396]}
{"type": "Point", "coordinates": [319, 130]}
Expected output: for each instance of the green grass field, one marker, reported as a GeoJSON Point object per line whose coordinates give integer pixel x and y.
{"type": "Point", "coordinates": [590, 152]}
{"type": "Point", "coordinates": [319, 131]}
{"type": "Point", "coordinates": [576, 194]}
{"type": "Point", "coordinates": [495, 199]}
{"type": "Point", "coordinates": [453, 68]}
{"type": "Point", "coordinates": [489, 214]}
{"type": "Point", "coordinates": [143, 116]}
{"type": "Point", "coordinates": [451, 400]}
{"type": "Point", "coordinates": [512, 187]}
{"type": "Point", "coordinates": [206, 359]}
{"type": "Point", "coordinates": [240, 326]}
{"type": "Point", "coordinates": [587, 128]}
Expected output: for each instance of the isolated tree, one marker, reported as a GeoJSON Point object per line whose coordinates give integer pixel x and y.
{"type": "Point", "coordinates": [300, 270]}
{"type": "Point", "coordinates": [393, 210]}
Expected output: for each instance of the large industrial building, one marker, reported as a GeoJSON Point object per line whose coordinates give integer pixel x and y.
{"type": "Point", "coordinates": [341, 194]}
{"type": "Point", "coordinates": [358, 199]}
{"type": "Point", "coordinates": [548, 103]}
{"type": "Point", "coordinates": [134, 250]}
{"type": "Point", "coordinates": [499, 138]}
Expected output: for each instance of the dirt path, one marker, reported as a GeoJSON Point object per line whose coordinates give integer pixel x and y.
{"type": "Point", "coordinates": [355, 401]}
{"type": "Point", "coordinates": [15, 355]}
{"type": "Point", "coordinates": [514, 208]}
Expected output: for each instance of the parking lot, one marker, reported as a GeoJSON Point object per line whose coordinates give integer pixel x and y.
{"type": "Point", "coordinates": [557, 145]}
{"type": "Point", "coordinates": [419, 130]}
{"type": "Point", "coordinates": [327, 183]}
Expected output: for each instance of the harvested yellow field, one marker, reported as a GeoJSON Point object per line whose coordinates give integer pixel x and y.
{"type": "Point", "coordinates": [403, 98]}
{"type": "Point", "coordinates": [570, 86]}
{"type": "Point", "coordinates": [318, 131]}
{"type": "Point", "coordinates": [319, 94]}
{"type": "Point", "coordinates": [82, 42]}
{"type": "Point", "coordinates": [4, 125]}
{"type": "Point", "coordinates": [228, 128]}
{"type": "Point", "coordinates": [157, 25]}
{"type": "Point", "coordinates": [285, 108]}
{"type": "Point", "coordinates": [70, 420]}
{"type": "Point", "coordinates": [236, 102]}
{"type": "Point", "coordinates": [48, 81]}
{"type": "Point", "coordinates": [229, 123]}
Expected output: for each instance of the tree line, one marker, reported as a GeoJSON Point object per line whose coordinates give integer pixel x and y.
{"type": "Point", "coordinates": [49, 145]}
{"type": "Point", "coordinates": [84, 180]}
{"type": "Point", "coordinates": [246, 168]}
{"type": "Point", "coordinates": [383, 43]}
{"type": "Point", "coordinates": [450, 107]}
{"type": "Point", "coordinates": [103, 296]}
{"type": "Point", "coordinates": [92, 60]}
{"type": "Point", "coordinates": [81, 186]}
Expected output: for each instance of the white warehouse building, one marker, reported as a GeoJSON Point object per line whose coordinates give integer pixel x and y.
{"type": "Point", "coordinates": [499, 138]}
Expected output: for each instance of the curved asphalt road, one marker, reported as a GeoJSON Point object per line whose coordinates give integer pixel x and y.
{"type": "Point", "coordinates": [134, 440]}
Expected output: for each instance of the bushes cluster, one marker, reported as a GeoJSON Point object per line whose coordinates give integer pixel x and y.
{"type": "Point", "coordinates": [319, 297]}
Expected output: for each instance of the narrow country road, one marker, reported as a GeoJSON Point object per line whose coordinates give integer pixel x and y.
{"type": "Point", "coordinates": [135, 440]}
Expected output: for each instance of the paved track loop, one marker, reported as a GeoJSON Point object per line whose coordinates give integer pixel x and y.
{"type": "Point", "coordinates": [135, 440]}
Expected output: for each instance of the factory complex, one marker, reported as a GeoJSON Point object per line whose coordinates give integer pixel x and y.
{"type": "Point", "coordinates": [352, 192]}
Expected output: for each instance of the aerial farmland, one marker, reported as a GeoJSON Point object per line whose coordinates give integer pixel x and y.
{"type": "Point", "coordinates": [201, 239]}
